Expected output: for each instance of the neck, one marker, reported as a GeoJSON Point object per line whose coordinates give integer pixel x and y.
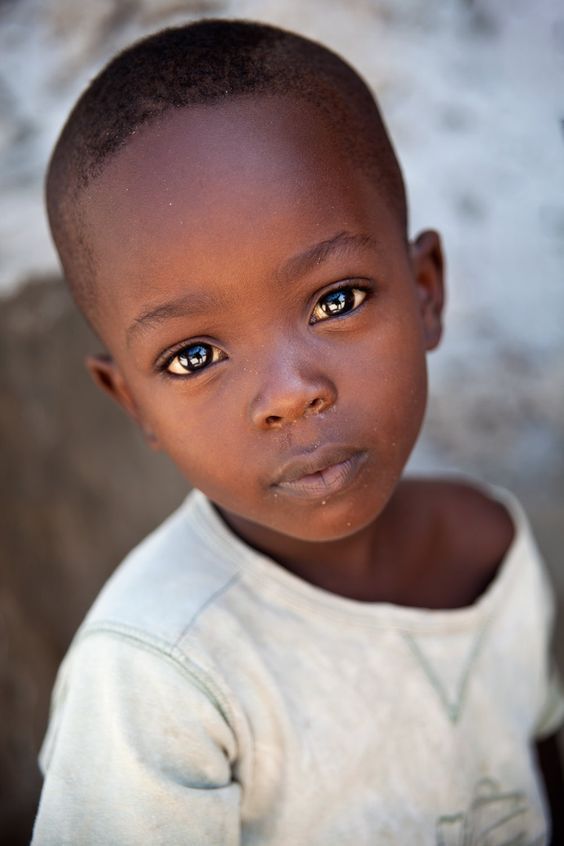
{"type": "Point", "coordinates": [365, 566]}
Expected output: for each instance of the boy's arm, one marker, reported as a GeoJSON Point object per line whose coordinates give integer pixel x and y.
{"type": "Point", "coordinates": [550, 764]}
{"type": "Point", "coordinates": [139, 751]}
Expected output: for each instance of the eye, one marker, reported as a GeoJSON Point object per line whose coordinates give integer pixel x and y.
{"type": "Point", "coordinates": [340, 301]}
{"type": "Point", "coordinates": [192, 358]}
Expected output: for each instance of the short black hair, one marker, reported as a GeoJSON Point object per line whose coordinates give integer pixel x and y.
{"type": "Point", "coordinates": [204, 62]}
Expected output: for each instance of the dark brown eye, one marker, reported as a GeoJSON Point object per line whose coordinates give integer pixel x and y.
{"type": "Point", "coordinates": [194, 357]}
{"type": "Point", "coordinates": [337, 302]}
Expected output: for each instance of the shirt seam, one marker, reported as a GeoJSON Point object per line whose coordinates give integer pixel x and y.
{"type": "Point", "coordinates": [209, 601]}
{"type": "Point", "coordinates": [171, 653]}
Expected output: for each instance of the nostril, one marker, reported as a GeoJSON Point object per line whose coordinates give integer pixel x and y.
{"type": "Point", "coordinates": [294, 412]}
{"type": "Point", "coordinates": [315, 406]}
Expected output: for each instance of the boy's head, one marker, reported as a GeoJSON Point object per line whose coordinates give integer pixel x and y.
{"type": "Point", "coordinates": [231, 217]}
{"type": "Point", "coordinates": [206, 63]}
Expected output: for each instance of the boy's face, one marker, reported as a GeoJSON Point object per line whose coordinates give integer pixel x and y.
{"type": "Point", "coordinates": [266, 320]}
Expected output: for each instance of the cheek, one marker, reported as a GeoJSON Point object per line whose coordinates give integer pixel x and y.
{"type": "Point", "coordinates": [192, 437]}
{"type": "Point", "coordinates": [389, 377]}
{"type": "Point", "coordinates": [202, 435]}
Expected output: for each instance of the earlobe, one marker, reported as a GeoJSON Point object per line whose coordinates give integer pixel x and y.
{"type": "Point", "coordinates": [108, 378]}
{"type": "Point", "coordinates": [428, 270]}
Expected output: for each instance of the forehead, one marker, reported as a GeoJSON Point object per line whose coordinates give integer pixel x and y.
{"type": "Point", "coordinates": [214, 192]}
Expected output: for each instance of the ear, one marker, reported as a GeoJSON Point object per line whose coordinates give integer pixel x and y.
{"type": "Point", "coordinates": [428, 270]}
{"type": "Point", "coordinates": [108, 377]}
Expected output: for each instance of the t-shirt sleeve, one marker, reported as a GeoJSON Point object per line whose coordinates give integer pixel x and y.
{"type": "Point", "coordinates": [551, 716]}
{"type": "Point", "coordinates": [138, 750]}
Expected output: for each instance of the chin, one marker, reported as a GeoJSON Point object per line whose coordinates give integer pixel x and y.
{"type": "Point", "coordinates": [331, 522]}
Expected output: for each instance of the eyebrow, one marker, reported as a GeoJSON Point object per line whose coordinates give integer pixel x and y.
{"type": "Point", "coordinates": [343, 242]}
{"type": "Point", "coordinates": [297, 266]}
{"type": "Point", "coordinates": [192, 303]}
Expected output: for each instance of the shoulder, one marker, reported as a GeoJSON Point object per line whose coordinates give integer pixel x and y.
{"type": "Point", "coordinates": [471, 532]}
{"type": "Point", "coordinates": [464, 513]}
{"type": "Point", "coordinates": [168, 579]}
{"type": "Point", "coordinates": [472, 519]}
{"type": "Point", "coordinates": [474, 523]}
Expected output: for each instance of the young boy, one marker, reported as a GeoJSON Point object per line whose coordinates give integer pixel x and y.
{"type": "Point", "coordinates": [311, 650]}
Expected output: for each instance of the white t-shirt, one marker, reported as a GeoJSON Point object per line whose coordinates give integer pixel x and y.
{"type": "Point", "coordinates": [212, 697]}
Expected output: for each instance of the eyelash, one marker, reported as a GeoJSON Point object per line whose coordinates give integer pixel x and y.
{"type": "Point", "coordinates": [218, 355]}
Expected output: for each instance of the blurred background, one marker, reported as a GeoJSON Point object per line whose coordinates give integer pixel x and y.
{"type": "Point", "coordinates": [473, 92]}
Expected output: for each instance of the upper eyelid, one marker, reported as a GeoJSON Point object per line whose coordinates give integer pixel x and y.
{"type": "Point", "coordinates": [361, 285]}
{"type": "Point", "coordinates": [362, 282]}
{"type": "Point", "coordinates": [352, 285]}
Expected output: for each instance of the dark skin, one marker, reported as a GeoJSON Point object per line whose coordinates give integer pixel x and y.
{"type": "Point", "coordinates": [267, 325]}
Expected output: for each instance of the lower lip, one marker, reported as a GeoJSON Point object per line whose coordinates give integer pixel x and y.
{"type": "Point", "coordinates": [326, 482]}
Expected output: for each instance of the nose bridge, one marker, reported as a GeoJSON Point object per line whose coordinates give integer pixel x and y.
{"type": "Point", "coordinates": [292, 383]}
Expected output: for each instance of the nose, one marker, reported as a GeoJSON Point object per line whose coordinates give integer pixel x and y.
{"type": "Point", "coordinates": [289, 393]}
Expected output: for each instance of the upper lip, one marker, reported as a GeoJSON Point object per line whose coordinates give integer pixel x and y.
{"type": "Point", "coordinates": [313, 462]}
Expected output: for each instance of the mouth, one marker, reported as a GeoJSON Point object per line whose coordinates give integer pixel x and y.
{"type": "Point", "coordinates": [325, 472]}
